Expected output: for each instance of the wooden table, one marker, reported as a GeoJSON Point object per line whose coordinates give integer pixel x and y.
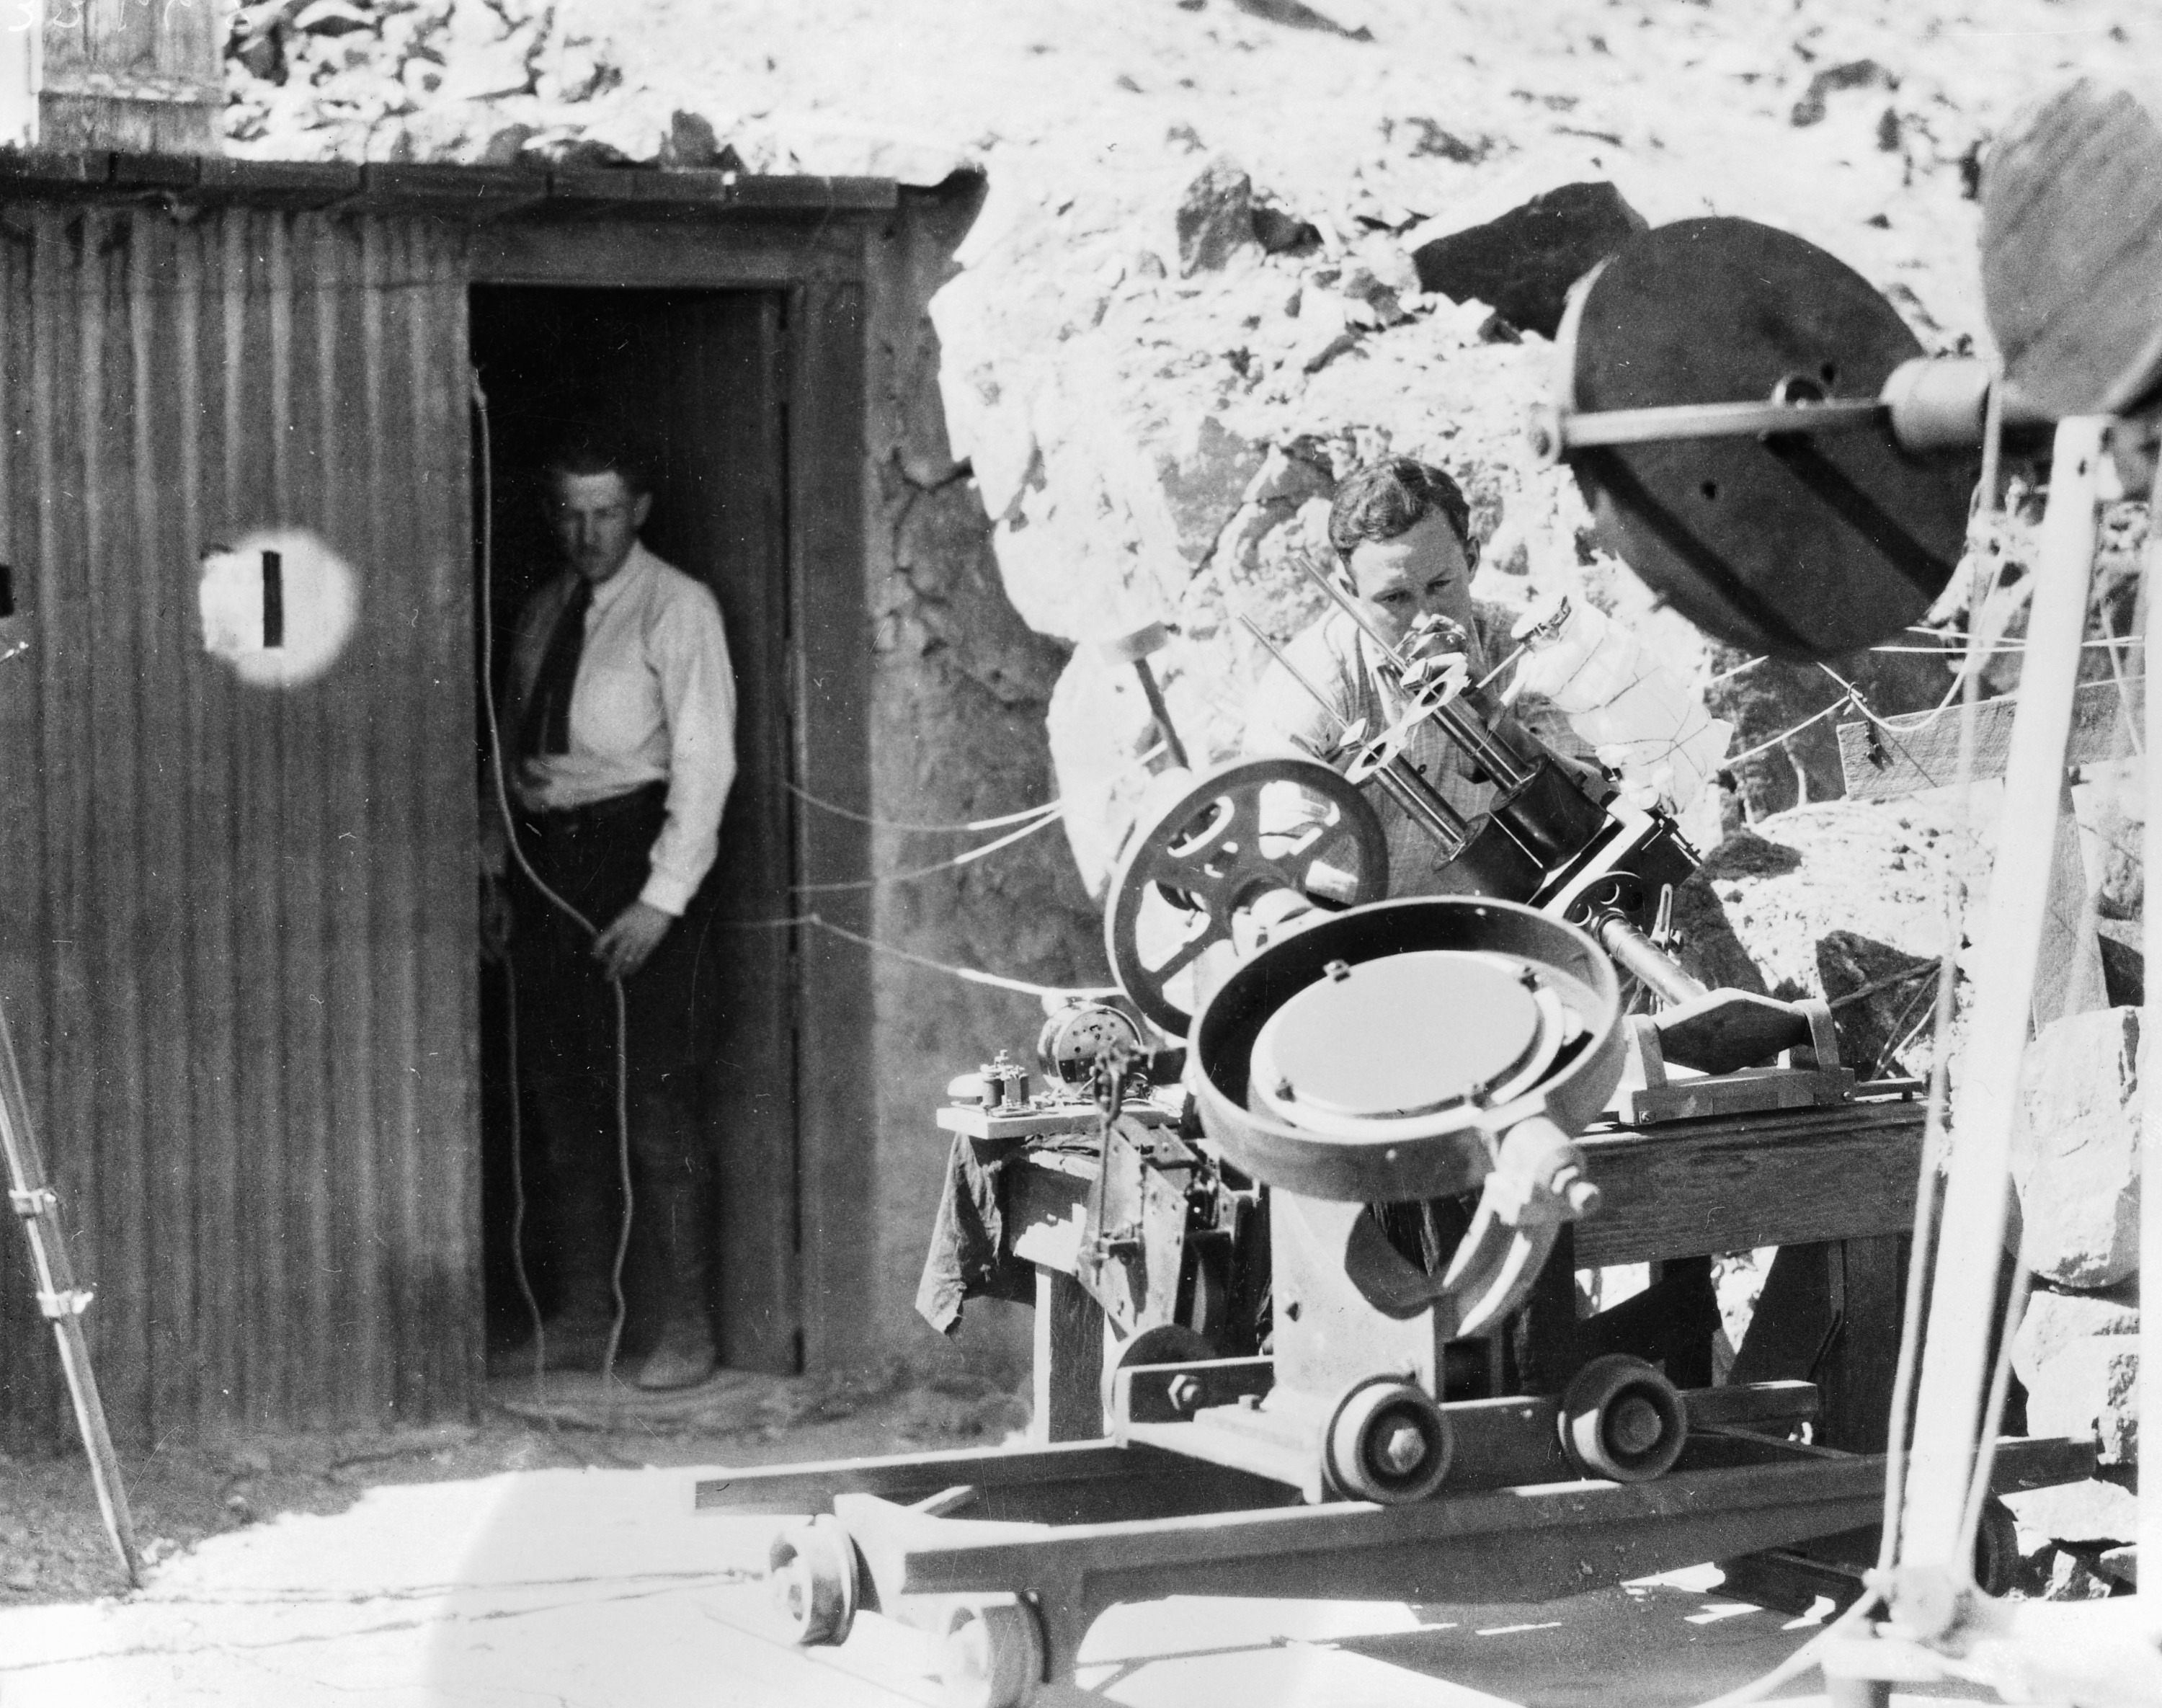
{"type": "Point", "coordinates": [1833, 1187]}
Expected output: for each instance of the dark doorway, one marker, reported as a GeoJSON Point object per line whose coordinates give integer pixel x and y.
{"type": "Point", "coordinates": [696, 377]}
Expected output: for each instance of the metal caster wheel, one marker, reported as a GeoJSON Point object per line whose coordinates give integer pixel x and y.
{"type": "Point", "coordinates": [1388, 1442]}
{"type": "Point", "coordinates": [810, 1574]}
{"type": "Point", "coordinates": [1621, 1419]}
{"type": "Point", "coordinates": [994, 1655]}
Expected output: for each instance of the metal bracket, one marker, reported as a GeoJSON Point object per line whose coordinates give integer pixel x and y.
{"type": "Point", "coordinates": [57, 1305]}
{"type": "Point", "coordinates": [27, 1202]}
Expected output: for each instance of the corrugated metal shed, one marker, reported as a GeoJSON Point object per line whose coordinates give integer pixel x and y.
{"type": "Point", "coordinates": [236, 923]}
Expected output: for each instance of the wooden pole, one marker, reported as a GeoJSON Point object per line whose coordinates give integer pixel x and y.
{"type": "Point", "coordinates": [58, 1298]}
{"type": "Point", "coordinates": [1971, 1240]}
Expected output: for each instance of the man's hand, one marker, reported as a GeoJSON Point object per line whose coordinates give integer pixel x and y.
{"type": "Point", "coordinates": [633, 935]}
{"type": "Point", "coordinates": [495, 917]}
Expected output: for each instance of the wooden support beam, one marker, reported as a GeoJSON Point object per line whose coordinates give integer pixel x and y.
{"type": "Point", "coordinates": [1069, 1361]}
{"type": "Point", "coordinates": [1921, 750]}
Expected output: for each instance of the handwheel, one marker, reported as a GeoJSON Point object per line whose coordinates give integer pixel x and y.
{"type": "Point", "coordinates": [1622, 1420]}
{"type": "Point", "coordinates": [811, 1572]}
{"type": "Point", "coordinates": [1388, 1442]}
{"type": "Point", "coordinates": [1213, 848]}
{"type": "Point", "coordinates": [994, 1654]}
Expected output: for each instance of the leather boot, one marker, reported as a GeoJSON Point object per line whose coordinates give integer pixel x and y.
{"type": "Point", "coordinates": [676, 1208]}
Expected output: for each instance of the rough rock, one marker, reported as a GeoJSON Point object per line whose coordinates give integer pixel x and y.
{"type": "Point", "coordinates": [1855, 74]}
{"type": "Point", "coordinates": [2077, 1354]}
{"type": "Point", "coordinates": [2092, 1511]}
{"type": "Point", "coordinates": [2072, 1578]}
{"type": "Point", "coordinates": [1215, 218]}
{"type": "Point", "coordinates": [2091, 1387]}
{"type": "Point", "coordinates": [2123, 963]}
{"type": "Point", "coordinates": [2121, 1565]}
{"type": "Point", "coordinates": [2056, 1321]}
{"type": "Point", "coordinates": [1524, 262]}
{"type": "Point", "coordinates": [2075, 1149]}
{"type": "Point", "coordinates": [1881, 1001]}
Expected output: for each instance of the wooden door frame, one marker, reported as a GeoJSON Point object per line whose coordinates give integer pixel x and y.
{"type": "Point", "coordinates": [818, 266]}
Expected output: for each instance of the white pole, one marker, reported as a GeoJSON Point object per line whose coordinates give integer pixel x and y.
{"type": "Point", "coordinates": [1970, 1245]}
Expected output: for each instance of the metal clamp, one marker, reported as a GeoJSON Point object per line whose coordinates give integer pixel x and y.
{"type": "Point", "coordinates": [30, 1201]}
{"type": "Point", "coordinates": [57, 1305]}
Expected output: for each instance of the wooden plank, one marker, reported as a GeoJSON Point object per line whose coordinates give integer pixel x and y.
{"type": "Point", "coordinates": [1862, 1361]}
{"type": "Point", "coordinates": [719, 359]}
{"type": "Point", "coordinates": [1068, 1388]}
{"type": "Point", "coordinates": [445, 924]}
{"type": "Point", "coordinates": [833, 630]}
{"type": "Point", "coordinates": [1814, 1174]}
{"type": "Point", "coordinates": [658, 255]}
{"type": "Point", "coordinates": [2071, 248]}
{"type": "Point", "coordinates": [1921, 750]}
{"type": "Point", "coordinates": [2068, 976]}
{"type": "Point", "coordinates": [972, 1120]}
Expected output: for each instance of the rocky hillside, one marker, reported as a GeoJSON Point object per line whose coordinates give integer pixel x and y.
{"type": "Point", "coordinates": [1203, 285]}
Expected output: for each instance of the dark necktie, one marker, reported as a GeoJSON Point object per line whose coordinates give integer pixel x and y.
{"type": "Point", "coordinates": [547, 725]}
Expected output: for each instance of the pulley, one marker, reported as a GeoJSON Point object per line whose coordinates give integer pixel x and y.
{"type": "Point", "coordinates": [1762, 438]}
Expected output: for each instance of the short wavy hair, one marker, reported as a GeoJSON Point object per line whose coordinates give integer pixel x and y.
{"type": "Point", "coordinates": [597, 450]}
{"type": "Point", "coordinates": [1391, 497]}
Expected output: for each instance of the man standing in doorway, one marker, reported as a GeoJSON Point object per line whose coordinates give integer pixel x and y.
{"type": "Point", "coordinates": [617, 748]}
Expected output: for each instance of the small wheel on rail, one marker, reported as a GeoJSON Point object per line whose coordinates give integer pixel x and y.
{"type": "Point", "coordinates": [1388, 1442]}
{"type": "Point", "coordinates": [810, 1574]}
{"type": "Point", "coordinates": [1622, 1420]}
{"type": "Point", "coordinates": [994, 1654]}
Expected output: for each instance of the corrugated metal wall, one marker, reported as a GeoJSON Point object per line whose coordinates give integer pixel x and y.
{"type": "Point", "coordinates": [236, 934]}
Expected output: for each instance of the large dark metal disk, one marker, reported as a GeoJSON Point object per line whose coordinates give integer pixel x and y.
{"type": "Point", "coordinates": [1805, 546]}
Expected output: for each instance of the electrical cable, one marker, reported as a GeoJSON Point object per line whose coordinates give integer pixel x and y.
{"type": "Point", "coordinates": [502, 795]}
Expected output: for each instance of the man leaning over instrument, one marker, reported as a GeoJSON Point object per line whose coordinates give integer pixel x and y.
{"type": "Point", "coordinates": [1401, 533]}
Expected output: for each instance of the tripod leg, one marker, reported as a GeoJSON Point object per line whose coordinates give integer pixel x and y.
{"type": "Point", "coordinates": [38, 1207]}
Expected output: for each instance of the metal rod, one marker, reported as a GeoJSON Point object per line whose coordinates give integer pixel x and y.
{"type": "Point", "coordinates": [1651, 964]}
{"type": "Point", "coordinates": [1461, 726]}
{"type": "Point", "coordinates": [1161, 714]}
{"type": "Point", "coordinates": [36, 1204]}
{"type": "Point", "coordinates": [1718, 420]}
{"type": "Point", "coordinates": [1423, 803]}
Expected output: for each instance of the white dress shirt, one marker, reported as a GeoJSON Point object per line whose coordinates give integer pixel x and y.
{"type": "Point", "coordinates": [655, 701]}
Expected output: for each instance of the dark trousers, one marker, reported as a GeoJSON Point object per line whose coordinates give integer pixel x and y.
{"type": "Point", "coordinates": [596, 859]}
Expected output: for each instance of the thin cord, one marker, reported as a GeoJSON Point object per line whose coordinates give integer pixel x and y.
{"type": "Point", "coordinates": [1048, 808]}
{"type": "Point", "coordinates": [2000, 1382]}
{"type": "Point", "coordinates": [510, 835]}
{"type": "Point", "coordinates": [960, 859]}
{"type": "Point", "coordinates": [518, 1197]}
